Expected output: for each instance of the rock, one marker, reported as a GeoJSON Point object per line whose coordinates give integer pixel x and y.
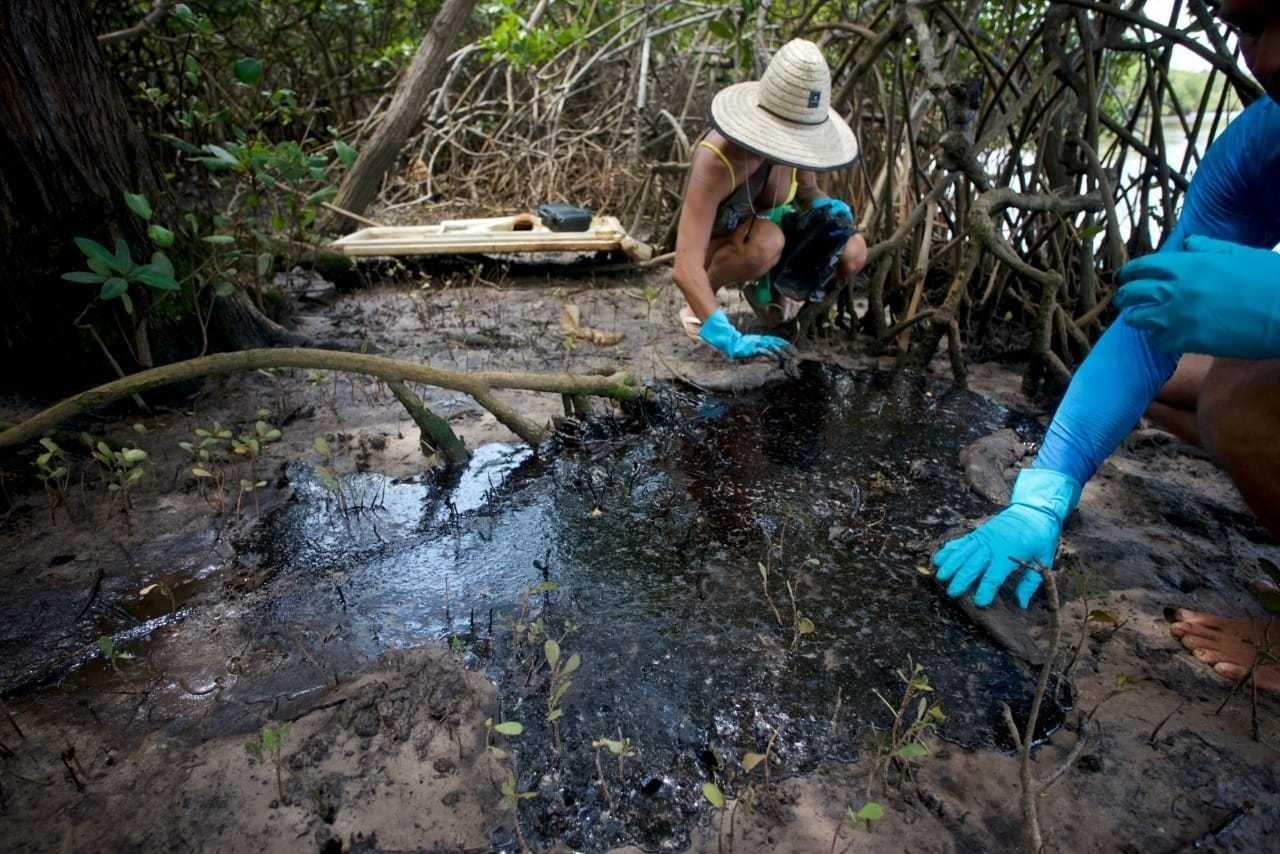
{"type": "Point", "coordinates": [991, 463]}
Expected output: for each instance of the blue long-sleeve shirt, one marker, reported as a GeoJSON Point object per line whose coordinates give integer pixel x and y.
{"type": "Point", "coordinates": [1235, 196]}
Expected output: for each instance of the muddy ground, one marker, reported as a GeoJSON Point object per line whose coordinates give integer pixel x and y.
{"type": "Point", "coordinates": [148, 752]}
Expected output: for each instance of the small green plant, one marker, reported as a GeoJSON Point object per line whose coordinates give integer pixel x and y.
{"type": "Point", "coordinates": [559, 685]}
{"type": "Point", "coordinates": [324, 472]}
{"type": "Point", "coordinates": [54, 473]}
{"type": "Point", "coordinates": [511, 798]}
{"type": "Point", "coordinates": [209, 456]}
{"type": "Point", "coordinates": [914, 720]}
{"type": "Point", "coordinates": [800, 625]}
{"type": "Point", "coordinates": [651, 295]}
{"type": "Point", "coordinates": [250, 487]}
{"type": "Point", "coordinates": [249, 444]}
{"type": "Point", "coordinates": [510, 729]}
{"type": "Point", "coordinates": [267, 748]}
{"type": "Point", "coordinates": [112, 653]}
{"type": "Point", "coordinates": [859, 819]}
{"type": "Point", "coordinates": [122, 469]}
{"type": "Point", "coordinates": [621, 748]}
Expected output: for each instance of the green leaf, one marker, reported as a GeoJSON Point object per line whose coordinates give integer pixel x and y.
{"type": "Point", "coordinates": [552, 651]}
{"type": "Point", "coordinates": [127, 302]}
{"type": "Point", "coordinates": [1102, 617]}
{"type": "Point", "coordinates": [265, 261]}
{"type": "Point", "coordinates": [138, 204]}
{"type": "Point", "coordinates": [224, 289]}
{"type": "Point", "coordinates": [327, 194]}
{"type": "Point", "coordinates": [106, 645]}
{"type": "Point", "coordinates": [248, 71]}
{"type": "Point", "coordinates": [95, 251]}
{"type": "Point", "coordinates": [914, 750]}
{"type": "Point", "coordinates": [751, 760]}
{"type": "Point", "coordinates": [84, 277]}
{"type": "Point", "coordinates": [153, 278]}
{"type": "Point", "coordinates": [113, 288]}
{"type": "Point", "coordinates": [199, 472]}
{"type": "Point", "coordinates": [871, 811]}
{"type": "Point", "coordinates": [160, 236]}
{"type": "Point", "coordinates": [574, 662]}
{"type": "Point", "coordinates": [133, 455]}
{"type": "Point", "coordinates": [49, 445]}
{"type": "Point", "coordinates": [222, 155]}
{"type": "Point", "coordinates": [161, 262]}
{"type": "Point", "coordinates": [805, 626]}
{"type": "Point", "coordinates": [321, 446]}
{"type": "Point", "coordinates": [714, 796]}
{"type": "Point", "coordinates": [721, 30]}
{"type": "Point", "coordinates": [1087, 234]}
{"type": "Point", "coordinates": [123, 256]}
{"type": "Point", "coordinates": [346, 154]}
{"type": "Point", "coordinates": [556, 715]}
{"type": "Point", "coordinates": [509, 728]}
{"type": "Point", "coordinates": [219, 239]}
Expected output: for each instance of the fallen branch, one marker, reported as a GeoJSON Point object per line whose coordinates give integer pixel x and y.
{"type": "Point", "coordinates": [479, 385]}
{"type": "Point", "coordinates": [158, 13]}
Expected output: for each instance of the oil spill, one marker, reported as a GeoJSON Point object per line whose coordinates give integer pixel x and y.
{"type": "Point", "coordinates": [641, 552]}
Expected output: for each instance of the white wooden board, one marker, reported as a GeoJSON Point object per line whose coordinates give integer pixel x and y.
{"type": "Point", "coordinates": [508, 234]}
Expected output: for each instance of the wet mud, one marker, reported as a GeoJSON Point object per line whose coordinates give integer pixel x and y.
{"type": "Point", "coordinates": [684, 560]}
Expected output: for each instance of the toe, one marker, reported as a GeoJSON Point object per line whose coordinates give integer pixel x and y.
{"type": "Point", "coordinates": [1234, 672]}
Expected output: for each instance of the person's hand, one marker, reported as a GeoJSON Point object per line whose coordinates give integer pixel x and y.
{"type": "Point", "coordinates": [1212, 297]}
{"type": "Point", "coordinates": [1026, 531]}
{"type": "Point", "coordinates": [719, 333]}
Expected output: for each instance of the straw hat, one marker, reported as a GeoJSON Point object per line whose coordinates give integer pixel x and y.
{"type": "Point", "coordinates": [786, 116]}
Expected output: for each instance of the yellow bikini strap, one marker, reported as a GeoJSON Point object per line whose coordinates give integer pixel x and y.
{"type": "Point", "coordinates": [795, 183]}
{"type": "Point", "coordinates": [715, 149]}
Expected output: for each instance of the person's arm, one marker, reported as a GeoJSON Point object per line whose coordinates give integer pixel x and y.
{"type": "Point", "coordinates": [709, 183]}
{"type": "Point", "coordinates": [1117, 382]}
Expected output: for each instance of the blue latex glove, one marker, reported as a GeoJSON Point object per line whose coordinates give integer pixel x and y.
{"type": "Point", "coordinates": [1213, 297]}
{"type": "Point", "coordinates": [719, 333]}
{"type": "Point", "coordinates": [838, 208]}
{"type": "Point", "coordinates": [1026, 531]}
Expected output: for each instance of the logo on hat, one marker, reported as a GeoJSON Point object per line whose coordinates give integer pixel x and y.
{"type": "Point", "coordinates": [815, 98]}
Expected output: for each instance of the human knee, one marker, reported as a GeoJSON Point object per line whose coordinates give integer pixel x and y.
{"type": "Point", "coordinates": [1237, 413]}
{"type": "Point", "coordinates": [763, 248]}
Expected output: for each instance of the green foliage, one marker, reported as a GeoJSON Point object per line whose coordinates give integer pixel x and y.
{"type": "Point", "coordinates": [514, 42]}
{"type": "Point", "coordinates": [267, 748]}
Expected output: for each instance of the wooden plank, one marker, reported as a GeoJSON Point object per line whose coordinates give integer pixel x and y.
{"type": "Point", "coordinates": [489, 235]}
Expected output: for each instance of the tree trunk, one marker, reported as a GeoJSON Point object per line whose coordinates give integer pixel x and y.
{"type": "Point", "coordinates": [68, 151]}
{"type": "Point", "coordinates": [378, 156]}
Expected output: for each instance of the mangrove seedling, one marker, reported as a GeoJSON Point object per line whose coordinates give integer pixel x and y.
{"type": "Point", "coordinates": [914, 719]}
{"type": "Point", "coordinates": [511, 798]}
{"type": "Point", "coordinates": [54, 474]}
{"type": "Point", "coordinates": [324, 472]}
{"type": "Point", "coordinates": [863, 818]}
{"type": "Point", "coordinates": [267, 748]}
{"type": "Point", "coordinates": [250, 487]}
{"type": "Point", "coordinates": [559, 685]}
{"type": "Point", "coordinates": [800, 625]}
{"type": "Point", "coordinates": [510, 729]}
{"type": "Point", "coordinates": [112, 653]}
{"type": "Point", "coordinates": [620, 748]}
{"type": "Point", "coordinates": [122, 468]}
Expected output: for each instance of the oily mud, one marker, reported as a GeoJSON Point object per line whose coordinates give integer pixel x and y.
{"type": "Point", "coordinates": [746, 569]}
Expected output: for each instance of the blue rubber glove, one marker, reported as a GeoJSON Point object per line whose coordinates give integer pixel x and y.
{"type": "Point", "coordinates": [719, 333]}
{"type": "Point", "coordinates": [1213, 297]}
{"type": "Point", "coordinates": [1026, 531]}
{"type": "Point", "coordinates": [838, 207]}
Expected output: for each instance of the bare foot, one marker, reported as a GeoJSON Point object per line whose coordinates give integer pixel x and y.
{"type": "Point", "coordinates": [1230, 645]}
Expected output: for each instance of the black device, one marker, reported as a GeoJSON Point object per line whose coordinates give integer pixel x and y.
{"type": "Point", "coordinates": [814, 240]}
{"type": "Point", "coordinates": [561, 217]}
